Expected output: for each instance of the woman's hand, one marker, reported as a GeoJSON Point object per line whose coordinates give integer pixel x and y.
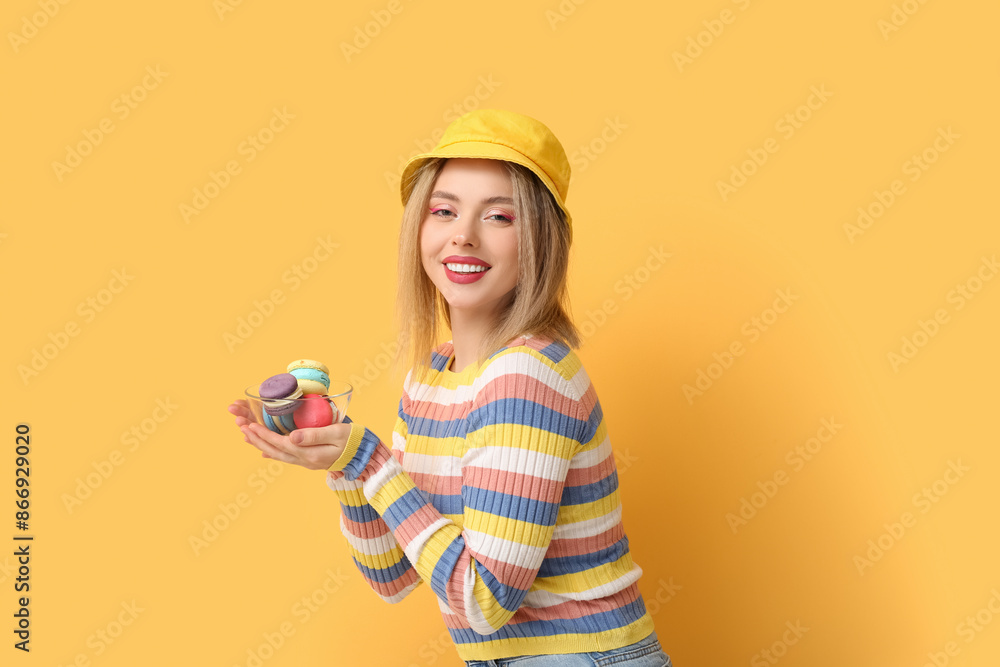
{"type": "Point", "coordinates": [311, 448]}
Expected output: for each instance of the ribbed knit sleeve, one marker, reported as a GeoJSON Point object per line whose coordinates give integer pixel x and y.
{"type": "Point", "coordinates": [374, 549]}
{"type": "Point", "coordinates": [525, 423]}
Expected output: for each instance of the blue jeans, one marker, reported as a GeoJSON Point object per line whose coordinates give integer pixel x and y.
{"type": "Point", "coordinates": [643, 653]}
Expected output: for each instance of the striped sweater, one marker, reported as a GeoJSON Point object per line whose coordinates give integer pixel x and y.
{"type": "Point", "coordinates": [500, 491]}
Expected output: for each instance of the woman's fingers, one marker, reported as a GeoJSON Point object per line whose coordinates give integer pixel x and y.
{"type": "Point", "coordinates": [268, 442]}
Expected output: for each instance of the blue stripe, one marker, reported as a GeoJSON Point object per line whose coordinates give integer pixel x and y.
{"type": "Point", "coordinates": [404, 506]}
{"type": "Point", "coordinates": [508, 597]}
{"type": "Point", "coordinates": [526, 413]}
{"type": "Point", "coordinates": [509, 505]}
{"type": "Point", "coordinates": [445, 566]}
{"type": "Point", "coordinates": [435, 428]}
{"type": "Point", "coordinates": [599, 622]}
{"type": "Point", "coordinates": [555, 351]}
{"type": "Point", "coordinates": [384, 575]}
{"type": "Point", "coordinates": [357, 465]}
{"type": "Point", "coordinates": [361, 514]}
{"type": "Point", "coordinates": [447, 503]}
{"type": "Point", "coordinates": [588, 493]}
{"type": "Point", "coordinates": [438, 360]}
{"type": "Point", "coordinates": [596, 416]}
{"type": "Point", "coordinates": [553, 567]}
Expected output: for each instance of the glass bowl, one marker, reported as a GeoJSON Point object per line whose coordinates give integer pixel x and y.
{"type": "Point", "coordinates": [304, 411]}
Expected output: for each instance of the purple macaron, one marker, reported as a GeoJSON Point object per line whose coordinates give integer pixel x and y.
{"type": "Point", "coordinates": [276, 387]}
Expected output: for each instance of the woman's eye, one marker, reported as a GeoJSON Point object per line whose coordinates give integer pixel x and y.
{"type": "Point", "coordinates": [442, 213]}
{"type": "Point", "coordinates": [500, 217]}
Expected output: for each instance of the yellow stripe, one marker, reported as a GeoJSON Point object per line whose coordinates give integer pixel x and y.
{"type": "Point", "coordinates": [563, 643]}
{"type": "Point", "coordinates": [520, 436]}
{"type": "Point", "coordinates": [506, 528]}
{"type": "Point", "coordinates": [575, 582]}
{"type": "Point", "coordinates": [586, 511]}
{"type": "Point", "coordinates": [353, 441]}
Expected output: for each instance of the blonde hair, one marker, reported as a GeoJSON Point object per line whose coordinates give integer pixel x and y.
{"type": "Point", "coordinates": [540, 304]}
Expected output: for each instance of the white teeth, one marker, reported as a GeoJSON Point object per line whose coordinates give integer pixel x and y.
{"type": "Point", "coordinates": [466, 268]}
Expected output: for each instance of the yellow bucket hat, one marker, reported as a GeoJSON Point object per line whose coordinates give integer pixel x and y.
{"type": "Point", "coordinates": [501, 135]}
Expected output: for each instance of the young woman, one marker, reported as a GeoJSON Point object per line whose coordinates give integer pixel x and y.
{"type": "Point", "coordinates": [499, 490]}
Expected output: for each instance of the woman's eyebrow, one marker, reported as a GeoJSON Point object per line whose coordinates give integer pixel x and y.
{"type": "Point", "coordinates": [490, 200]}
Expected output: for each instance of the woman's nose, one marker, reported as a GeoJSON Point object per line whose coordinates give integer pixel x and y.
{"type": "Point", "coordinates": [464, 232]}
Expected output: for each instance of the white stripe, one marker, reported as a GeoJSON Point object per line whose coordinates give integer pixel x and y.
{"type": "Point", "coordinates": [389, 469]}
{"type": "Point", "coordinates": [588, 528]}
{"type": "Point", "coordinates": [591, 457]}
{"type": "Point", "coordinates": [398, 441]}
{"type": "Point", "coordinates": [505, 551]}
{"type": "Point", "coordinates": [540, 598]}
{"type": "Point", "coordinates": [444, 466]}
{"type": "Point", "coordinates": [374, 546]}
{"type": "Point", "coordinates": [393, 599]}
{"type": "Point", "coordinates": [443, 606]}
{"type": "Point", "coordinates": [525, 362]}
{"type": "Point", "coordinates": [473, 614]}
{"type": "Point", "coordinates": [524, 461]}
{"type": "Point", "coordinates": [416, 545]}
{"type": "Point", "coordinates": [441, 395]}
{"type": "Point", "coordinates": [341, 483]}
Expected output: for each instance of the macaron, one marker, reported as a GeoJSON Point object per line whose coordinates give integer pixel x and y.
{"type": "Point", "coordinates": [314, 411]}
{"type": "Point", "coordinates": [273, 425]}
{"type": "Point", "coordinates": [313, 376]}
{"type": "Point", "coordinates": [277, 387]}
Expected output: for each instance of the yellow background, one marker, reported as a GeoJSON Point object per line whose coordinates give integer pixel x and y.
{"type": "Point", "coordinates": [650, 136]}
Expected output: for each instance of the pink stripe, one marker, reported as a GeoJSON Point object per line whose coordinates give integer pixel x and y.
{"type": "Point", "coordinates": [408, 530]}
{"type": "Point", "coordinates": [576, 608]}
{"type": "Point", "coordinates": [450, 485]}
{"type": "Point", "coordinates": [371, 529]}
{"type": "Point", "coordinates": [514, 483]}
{"type": "Point", "coordinates": [521, 385]}
{"type": "Point", "coordinates": [596, 472]}
{"type": "Point", "coordinates": [506, 573]}
{"type": "Point", "coordinates": [390, 588]}
{"type": "Point", "coordinates": [581, 546]}
{"type": "Point", "coordinates": [455, 588]}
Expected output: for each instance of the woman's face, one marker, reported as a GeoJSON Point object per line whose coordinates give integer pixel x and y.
{"type": "Point", "coordinates": [468, 238]}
